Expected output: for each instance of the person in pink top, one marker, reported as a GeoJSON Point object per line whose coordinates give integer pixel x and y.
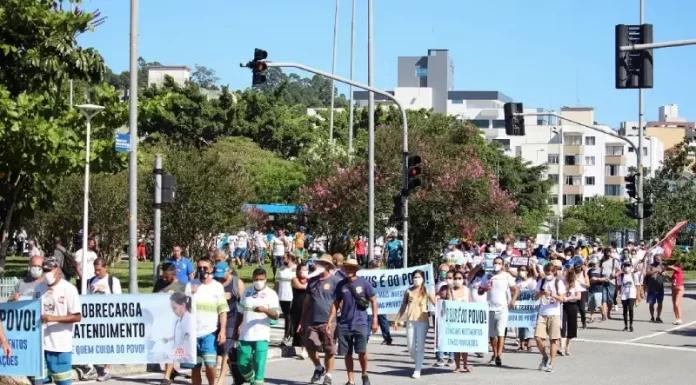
{"type": "Point", "coordinates": [677, 291]}
{"type": "Point", "coordinates": [361, 251]}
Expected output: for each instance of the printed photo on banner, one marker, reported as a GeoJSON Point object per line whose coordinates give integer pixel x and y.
{"type": "Point", "coordinates": [524, 314]}
{"type": "Point", "coordinates": [391, 284]}
{"type": "Point", "coordinates": [488, 260]}
{"type": "Point", "coordinates": [21, 322]}
{"type": "Point", "coordinates": [462, 327]}
{"type": "Point", "coordinates": [136, 329]}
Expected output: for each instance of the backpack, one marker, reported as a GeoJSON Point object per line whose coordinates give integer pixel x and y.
{"type": "Point", "coordinates": [110, 281]}
{"type": "Point", "coordinates": [69, 267]}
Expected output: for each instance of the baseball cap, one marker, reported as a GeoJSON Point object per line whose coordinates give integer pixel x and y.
{"type": "Point", "coordinates": [220, 270]}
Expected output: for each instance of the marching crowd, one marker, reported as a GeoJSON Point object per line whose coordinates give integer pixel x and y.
{"type": "Point", "coordinates": [325, 303]}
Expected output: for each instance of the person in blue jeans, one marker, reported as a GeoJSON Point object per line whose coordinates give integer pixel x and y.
{"type": "Point", "coordinates": [394, 250]}
{"type": "Point", "coordinates": [383, 323]}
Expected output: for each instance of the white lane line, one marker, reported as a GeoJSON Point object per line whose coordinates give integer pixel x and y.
{"type": "Point", "coordinates": [627, 343]}
{"type": "Point", "coordinates": [663, 332]}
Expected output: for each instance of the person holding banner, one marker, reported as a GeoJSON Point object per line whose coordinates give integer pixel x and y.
{"type": "Point", "coordinates": [61, 311]}
{"type": "Point", "coordinates": [460, 293]}
{"type": "Point", "coordinates": [26, 287]}
{"type": "Point", "coordinates": [415, 307]}
{"type": "Point", "coordinates": [6, 348]}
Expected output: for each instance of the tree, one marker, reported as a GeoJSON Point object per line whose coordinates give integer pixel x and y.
{"type": "Point", "coordinates": [599, 216]}
{"type": "Point", "coordinates": [205, 77]}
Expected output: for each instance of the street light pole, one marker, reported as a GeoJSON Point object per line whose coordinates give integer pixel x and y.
{"type": "Point", "coordinates": [371, 132]}
{"type": "Point", "coordinates": [639, 153]}
{"type": "Point", "coordinates": [88, 110]}
{"type": "Point", "coordinates": [333, 71]}
{"type": "Point", "coordinates": [133, 155]}
{"type": "Point", "coordinates": [350, 90]}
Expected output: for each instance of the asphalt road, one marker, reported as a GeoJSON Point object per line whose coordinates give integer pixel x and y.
{"type": "Point", "coordinates": [602, 354]}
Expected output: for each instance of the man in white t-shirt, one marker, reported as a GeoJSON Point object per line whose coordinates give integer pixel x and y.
{"type": "Point", "coordinates": [241, 248]}
{"type": "Point", "coordinates": [61, 310]}
{"type": "Point", "coordinates": [261, 246]}
{"type": "Point", "coordinates": [211, 312]}
{"type": "Point", "coordinates": [88, 271]}
{"type": "Point", "coordinates": [25, 289]}
{"type": "Point", "coordinates": [497, 285]}
{"type": "Point", "coordinates": [551, 291]}
{"type": "Point", "coordinates": [279, 245]}
{"type": "Point", "coordinates": [258, 310]}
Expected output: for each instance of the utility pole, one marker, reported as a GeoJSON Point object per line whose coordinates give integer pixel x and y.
{"type": "Point", "coordinates": [350, 91]}
{"type": "Point", "coordinates": [133, 156]}
{"type": "Point", "coordinates": [371, 131]}
{"type": "Point", "coordinates": [333, 72]}
{"type": "Point", "coordinates": [639, 153]}
{"type": "Point", "coordinates": [158, 215]}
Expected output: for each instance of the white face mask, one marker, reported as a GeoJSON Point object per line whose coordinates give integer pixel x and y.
{"type": "Point", "coordinates": [418, 281]}
{"type": "Point", "coordinates": [450, 282]}
{"type": "Point", "coordinates": [522, 274]}
{"type": "Point", "coordinates": [628, 269]}
{"type": "Point", "coordinates": [304, 273]}
{"type": "Point", "coordinates": [259, 285]}
{"type": "Point", "coordinates": [549, 277]}
{"type": "Point", "coordinates": [51, 278]}
{"type": "Point", "coordinates": [458, 283]}
{"type": "Point", "coordinates": [35, 272]}
{"type": "Point", "coordinates": [320, 269]}
{"type": "Point", "coordinates": [497, 268]}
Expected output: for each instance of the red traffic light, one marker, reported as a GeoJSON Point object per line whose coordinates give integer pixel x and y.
{"type": "Point", "coordinates": [259, 67]}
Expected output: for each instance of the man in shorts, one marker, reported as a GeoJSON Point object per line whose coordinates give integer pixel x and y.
{"type": "Point", "coordinates": [551, 291]}
{"type": "Point", "coordinates": [353, 296]}
{"type": "Point", "coordinates": [316, 314]}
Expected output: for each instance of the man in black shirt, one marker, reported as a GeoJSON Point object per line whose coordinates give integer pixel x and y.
{"type": "Point", "coordinates": [655, 276]}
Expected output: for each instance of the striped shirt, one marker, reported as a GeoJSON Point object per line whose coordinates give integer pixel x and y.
{"type": "Point", "coordinates": [210, 302]}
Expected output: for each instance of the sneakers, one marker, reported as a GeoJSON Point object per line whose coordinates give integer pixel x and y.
{"type": "Point", "coordinates": [366, 380]}
{"type": "Point", "coordinates": [625, 328]}
{"type": "Point", "coordinates": [450, 362]}
{"type": "Point", "coordinates": [90, 375]}
{"type": "Point", "coordinates": [327, 380]}
{"type": "Point", "coordinates": [318, 374]}
{"type": "Point", "coordinates": [652, 319]}
{"type": "Point", "coordinates": [544, 363]}
{"type": "Point", "coordinates": [166, 381]}
{"type": "Point", "coordinates": [548, 368]}
{"type": "Point", "coordinates": [493, 357]}
{"type": "Point", "coordinates": [440, 363]}
{"type": "Point", "coordinates": [659, 320]}
{"type": "Point", "coordinates": [416, 374]}
{"type": "Point", "coordinates": [630, 329]}
{"type": "Point", "coordinates": [498, 361]}
{"type": "Point", "coordinates": [678, 322]}
{"type": "Point", "coordinates": [106, 376]}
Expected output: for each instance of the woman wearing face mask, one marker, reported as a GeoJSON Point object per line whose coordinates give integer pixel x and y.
{"type": "Point", "coordinates": [458, 292]}
{"type": "Point", "coordinates": [415, 307]}
{"type": "Point", "coordinates": [299, 290]}
{"type": "Point", "coordinates": [526, 280]}
{"type": "Point", "coordinates": [569, 328]}
{"type": "Point", "coordinates": [583, 287]}
{"type": "Point", "coordinates": [627, 288]}
{"type": "Point", "coordinates": [283, 287]}
{"type": "Point", "coordinates": [444, 358]}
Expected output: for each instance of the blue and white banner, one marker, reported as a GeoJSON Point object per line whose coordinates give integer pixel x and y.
{"type": "Point", "coordinates": [462, 327]}
{"type": "Point", "coordinates": [488, 259]}
{"type": "Point", "coordinates": [391, 284]}
{"type": "Point", "coordinates": [135, 329]}
{"type": "Point", "coordinates": [524, 314]}
{"type": "Point", "coordinates": [21, 322]}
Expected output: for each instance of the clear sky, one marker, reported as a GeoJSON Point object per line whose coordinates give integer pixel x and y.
{"type": "Point", "coordinates": [544, 53]}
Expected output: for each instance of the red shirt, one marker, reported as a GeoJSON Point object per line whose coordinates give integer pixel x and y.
{"type": "Point", "coordinates": [360, 247]}
{"type": "Point", "coordinates": [678, 276]}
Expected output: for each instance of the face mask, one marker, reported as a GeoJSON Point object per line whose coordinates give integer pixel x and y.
{"type": "Point", "coordinates": [319, 269]}
{"type": "Point", "coordinates": [259, 285]}
{"type": "Point", "coordinates": [522, 274]}
{"type": "Point", "coordinates": [549, 277]}
{"type": "Point", "coordinates": [497, 268]}
{"type": "Point", "coordinates": [627, 269]}
{"type": "Point", "coordinates": [418, 281]}
{"type": "Point", "coordinates": [50, 278]}
{"type": "Point", "coordinates": [443, 274]}
{"type": "Point", "coordinates": [35, 272]}
{"type": "Point", "coordinates": [304, 274]}
{"type": "Point", "coordinates": [203, 273]}
{"type": "Point", "coordinates": [458, 283]}
{"type": "Point", "coordinates": [450, 282]}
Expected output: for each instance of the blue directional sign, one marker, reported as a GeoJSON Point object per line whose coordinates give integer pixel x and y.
{"type": "Point", "coordinates": [122, 143]}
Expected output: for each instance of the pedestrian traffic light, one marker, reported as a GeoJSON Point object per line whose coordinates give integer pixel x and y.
{"type": "Point", "coordinates": [634, 69]}
{"type": "Point", "coordinates": [647, 209]}
{"type": "Point", "coordinates": [398, 212]}
{"type": "Point", "coordinates": [414, 169]}
{"type": "Point", "coordinates": [631, 185]}
{"type": "Point", "coordinates": [514, 121]}
{"type": "Point", "coordinates": [632, 210]}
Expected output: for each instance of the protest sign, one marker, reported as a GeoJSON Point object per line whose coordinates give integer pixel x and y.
{"type": "Point", "coordinates": [135, 329]}
{"type": "Point", "coordinates": [519, 261]}
{"type": "Point", "coordinates": [543, 239]}
{"type": "Point", "coordinates": [390, 285]}
{"type": "Point", "coordinates": [22, 324]}
{"type": "Point", "coordinates": [524, 314]}
{"type": "Point", "coordinates": [462, 327]}
{"type": "Point", "coordinates": [488, 260]}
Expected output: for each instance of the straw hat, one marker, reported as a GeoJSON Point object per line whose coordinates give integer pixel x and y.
{"type": "Point", "coordinates": [351, 264]}
{"type": "Point", "coordinates": [326, 259]}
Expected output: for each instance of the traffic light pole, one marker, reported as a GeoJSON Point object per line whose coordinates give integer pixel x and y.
{"type": "Point", "coordinates": [371, 164]}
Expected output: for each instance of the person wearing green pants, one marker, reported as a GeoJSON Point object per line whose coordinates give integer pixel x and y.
{"type": "Point", "coordinates": [258, 309]}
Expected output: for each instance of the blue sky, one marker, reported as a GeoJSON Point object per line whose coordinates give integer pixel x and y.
{"type": "Point", "coordinates": [545, 53]}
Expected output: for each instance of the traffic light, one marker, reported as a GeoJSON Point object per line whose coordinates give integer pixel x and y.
{"type": "Point", "coordinates": [647, 209]}
{"type": "Point", "coordinates": [634, 69]}
{"type": "Point", "coordinates": [258, 67]}
{"type": "Point", "coordinates": [514, 124]}
{"type": "Point", "coordinates": [398, 211]}
{"type": "Point", "coordinates": [631, 185]}
{"type": "Point", "coordinates": [415, 168]}
{"type": "Point", "coordinates": [632, 210]}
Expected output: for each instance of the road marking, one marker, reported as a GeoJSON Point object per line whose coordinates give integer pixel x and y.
{"type": "Point", "coordinates": [628, 343]}
{"type": "Point", "coordinates": [663, 332]}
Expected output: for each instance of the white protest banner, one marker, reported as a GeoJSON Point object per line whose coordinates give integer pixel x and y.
{"type": "Point", "coordinates": [462, 327]}
{"type": "Point", "coordinates": [543, 239]}
{"type": "Point", "coordinates": [390, 285]}
{"type": "Point", "coordinates": [135, 329]}
{"type": "Point", "coordinates": [524, 314]}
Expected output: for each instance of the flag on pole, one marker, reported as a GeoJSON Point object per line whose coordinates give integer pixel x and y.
{"type": "Point", "coordinates": [670, 240]}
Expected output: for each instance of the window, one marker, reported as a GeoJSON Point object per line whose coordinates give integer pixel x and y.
{"type": "Point", "coordinates": [646, 171]}
{"type": "Point", "coordinates": [553, 199]}
{"type": "Point", "coordinates": [481, 123]}
{"type": "Point", "coordinates": [615, 150]}
{"type": "Point", "coordinates": [421, 72]}
{"type": "Point", "coordinates": [572, 160]}
{"type": "Point", "coordinates": [572, 140]}
{"type": "Point", "coordinates": [554, 178]}
{"type": "Point", "coordinates": [613, 190]}
{"type": "Point", "coordinates": [553, 158]}
{"type": "Point", "coordinates": [457, 101]}
{"type": "Point", "coordinates": [613, 170]}
{"type": "Point", "coordinates": [589, 161]}
{"type": "Point", "coordinates": [573, 180]}
{"type": "Point", "coordinates": [645, 151]}
{"type": "Point", "coordinates": [572, 199]}
{"type": "Point", "coordinates": [504, 143]}
{"type": "Point", "coordinates": [630, 149]}
{"type": "Point", "coordinates": [589, 181]}
{"type": "Point", "coordinates": [589, 141]}
{"type": "Point", "coordinates": [498, 123]}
